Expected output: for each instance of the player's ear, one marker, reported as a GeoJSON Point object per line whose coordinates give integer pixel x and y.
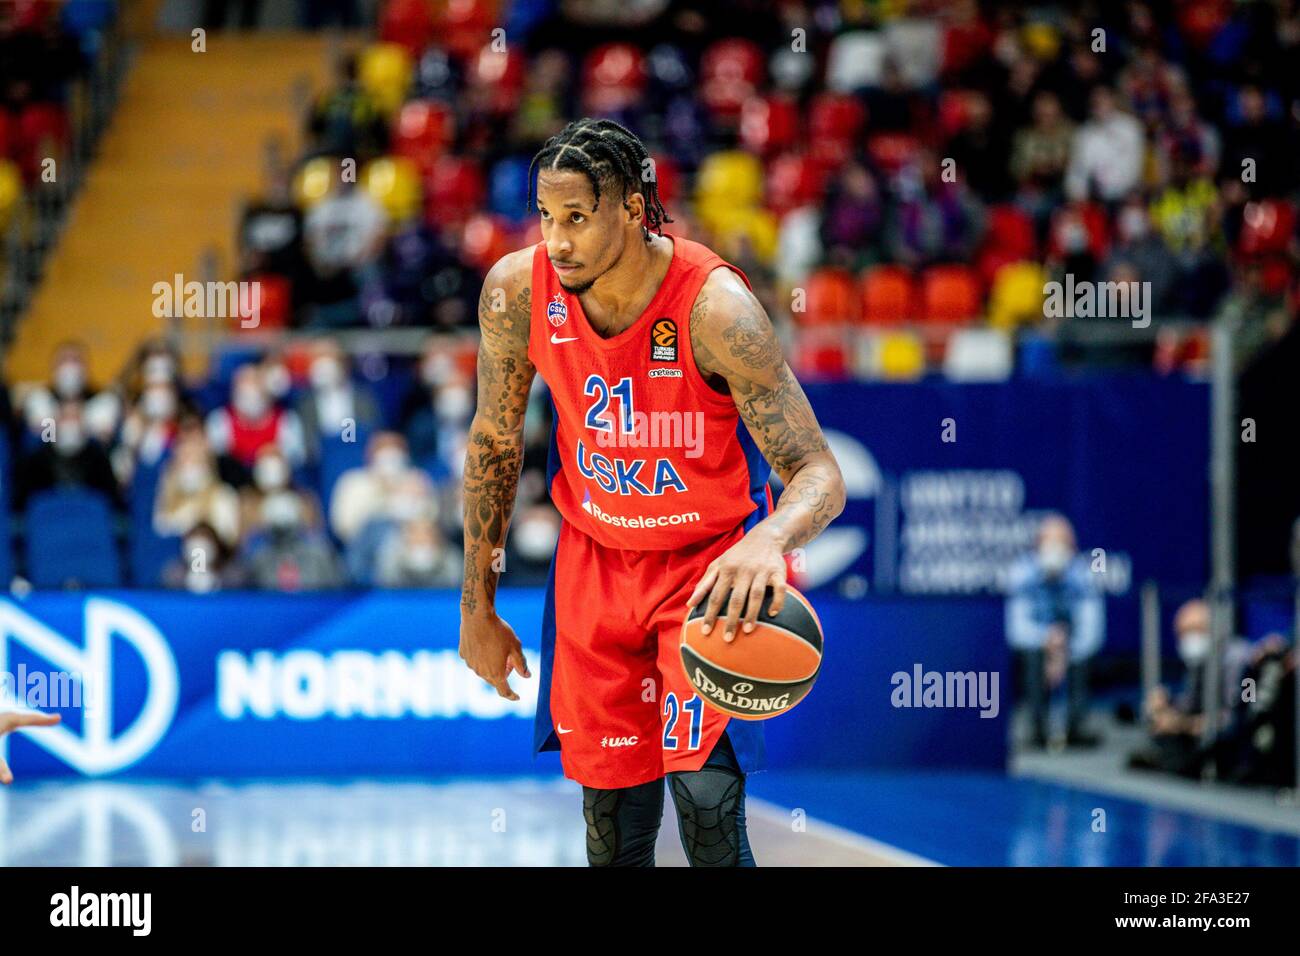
{"type": "Point", "coordinates": [634, 208]}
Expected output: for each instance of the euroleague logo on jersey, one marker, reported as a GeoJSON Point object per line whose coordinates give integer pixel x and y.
{"type": "Point", "coordinates": [557, 313]}
{"type": "Point", "coordinates": [663, 341]}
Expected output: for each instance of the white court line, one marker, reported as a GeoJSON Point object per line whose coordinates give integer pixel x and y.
{"type": "Point", "coordinates": [780, 816]}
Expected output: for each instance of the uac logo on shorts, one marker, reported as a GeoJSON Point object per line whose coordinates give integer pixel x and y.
{"type": "Point", "coordinates": [663, 341]}
{"type": "Point", "coordinates": [97, 749]}
{"type": "Point", "coordinates": [557, 313]}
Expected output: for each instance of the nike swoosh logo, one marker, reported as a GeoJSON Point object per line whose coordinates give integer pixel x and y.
{"type": "Point", "coordinates": [560, 729]}
{"type": "Point", "coordinates": [555, 341]}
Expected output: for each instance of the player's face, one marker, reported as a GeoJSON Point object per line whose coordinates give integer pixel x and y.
{"type": "Point", "coordinates": [583, 243]}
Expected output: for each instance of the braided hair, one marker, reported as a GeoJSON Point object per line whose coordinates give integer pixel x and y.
{"type": "Point", "coordinates": [605, 152]}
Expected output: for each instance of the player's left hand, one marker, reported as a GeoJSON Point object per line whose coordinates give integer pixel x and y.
{"type": "Point", "coordinates": [746, 570]}
{"type": "Point", "coordinates": [11, 721]}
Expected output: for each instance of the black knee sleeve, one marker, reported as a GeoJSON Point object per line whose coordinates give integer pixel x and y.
{"type": "Point", "coordinates": [623, 824]}
{"type": "Point", "coordinates": [711, 810]}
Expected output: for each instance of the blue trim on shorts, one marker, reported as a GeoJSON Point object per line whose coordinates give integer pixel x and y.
{"type": "Point", "coordinates": [544, 736]}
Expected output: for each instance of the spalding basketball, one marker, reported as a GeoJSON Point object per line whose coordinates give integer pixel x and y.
{"type": "Point", "coordinates": [760, 674]}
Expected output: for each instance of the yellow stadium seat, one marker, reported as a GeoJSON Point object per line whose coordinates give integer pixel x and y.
{"type": "Point", "coordinates": [731, 178]}
{"type": "Point", "coordinates": [394, 183]}
{"type": "Point", "coordinates": [900, 356]}
{"type": "Point", "coordinates": [385, 72]}
{"type": "Point", "coordinates": [1017, 295]}
{"type": "Point", "coordinates": [11, 191]}
{"type": "Point", "coordinates": [315, 180]}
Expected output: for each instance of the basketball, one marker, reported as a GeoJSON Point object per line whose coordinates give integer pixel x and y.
{"type": "Point", "coordinates": [761, 674]}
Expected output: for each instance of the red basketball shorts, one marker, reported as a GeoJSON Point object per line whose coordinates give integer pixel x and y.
{"type": "Point", "coordinates": [613, 695]}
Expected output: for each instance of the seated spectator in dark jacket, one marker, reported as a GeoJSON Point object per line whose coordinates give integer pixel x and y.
{"type": "Point", "coordinates": [203, 565]}
{"type": "Point", "coordinates": [287, 555]}
{"type": "Point", "coordinates": [67, 458]}
{"type": "Point", "coordinates": [101, 410]}
{"type": "Point", "coordinates": [333, 405]}
{"type": "Point", "coordinates": [1177, 722]}
{"type": "Point", "coordinates": [418, 556]}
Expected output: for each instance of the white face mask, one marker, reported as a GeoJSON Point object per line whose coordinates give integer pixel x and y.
{"type": "Point", "coordinates": [453, 404]}
{"type": "Point", "coordinates": [1054, 557]}
{"type": "Point", "coordinates": [1193, 647]}
{"type": "Point", "coordinates": [158, 370]}
{"type": "Point", "coordinates": [326, 373]}
{"type": "Point", "coordinates": [69, 438]}
{"type": "Point", "coordinates": [69, 379]}
{"type": "Point", "coordinates": [421, 557]}
{"type": "Point", "coordinates": [251, 402]}
{"type": "Point", "coordinates": [535, 539]}
{"type": "Point", "coordinates": [158, 404]}
{"type": "Point", "coordinates": [277, 380]}
{"type": "Point", "coordinates": [282, 510]}
{"type": "Point", "coordinates": [390, 462]}
{"type": "Point", "coordinates": [434, 370]}
{"type": "Point", "coordinates": [193, 478]}
{"type": "Point", "coordinates": [270, 473]}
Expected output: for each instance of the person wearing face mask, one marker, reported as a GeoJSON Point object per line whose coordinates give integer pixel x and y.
{"type": "Point", "coordinates": [418, 557]}
{"type": "Point", "coordinates": [333, 400]}
{"type": "Point", "coordinates": [1055, 622]}
{"type": "Point", "coordinates": [148, 431]}
{"type": "Point", "coordinates": [368, 492]}
{"type": "Point", "coordinates": [441, 402]}
{"type": "Point", "coordinates": [69, 383]}
{"type": "Point", "coordinates": [1142, 249]}
{"type": "Point", "coordinates": [1177, 722]}
{"type": "Point", "coordinates": [67, 457]}
{"type": "Point", "coordinates": [203, 564]}
{"type": "Point", "coordinates": [271, 476]}
{"type": "Point", "coordinates": [239, 430]}
{"type": "Point", "coordinates": [412, 499]}
{"type": "Point", "coordinates": [191, 493]}
{"type": "Point", "coordinates": [285, 554]}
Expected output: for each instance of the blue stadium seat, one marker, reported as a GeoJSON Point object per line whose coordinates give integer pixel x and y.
{"type": "Point", "coordinates": [336, 457]}
{"type": "Point", "coordinates": [70, 540]}
{"type": "Point", "coordinates": [6, 496]}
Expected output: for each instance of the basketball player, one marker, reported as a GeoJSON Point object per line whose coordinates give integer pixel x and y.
{"type": "Point", "coordinates": [10, 721]}
{"type": "Point", "coordinates": [672, 402]}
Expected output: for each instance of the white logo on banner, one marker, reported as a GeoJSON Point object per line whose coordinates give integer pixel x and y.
{"type": "Point", "coordinates": [96, 750]}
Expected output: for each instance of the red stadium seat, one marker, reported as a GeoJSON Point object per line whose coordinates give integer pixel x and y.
{"type": "Point", "coordinates": [1093, 218]}
{"type": "Point", "coordinates": [453, 189]}
{"type": "Point", "coordinates": [730, 72]}
{"type": "Point", "coordinates": [669, 175]}
{"type": "Point", "coordinates": [952, 112]}
{"type": "Point", "coordinates": [888, 296]}
{"type": "Point", "coordinates": [950, 295]}
{"type": "Point", "coordinates": [794, 180]}
{"type": "Point", "coordinates": [1009, 238]}
{"type": "Point", "coordinates": [1267, 228]}
{"type": "Point", "coordinates": [275, 303]}
{"type": "Point", "coordinates": [466, 26]}
{"type": "Point", "coordinates": [831, 298]}
{"type": "Point", "coordinates": [42, 131]}
{"type": "Point", "coordinates": [834, 122]}
{"type": "Point", "coordinates": [408, 23]}
{"type": "Point", "coordinates": [502, 74]}
{"type": "Point", "coordinates": [613, 77]}
{"type": "Point", "coordinates": [424, 131]}
{"type": "Point", "coordinates": [769, 123]}
{"type": "Point", "coordinates": [891, 151]}
{"type": "Point", "coordinates": [485, 240]}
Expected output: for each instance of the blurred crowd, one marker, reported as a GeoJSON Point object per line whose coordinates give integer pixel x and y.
{"type": "Point", "coordinates": [287, 471]}
{"type": "Point", "coordinates": [888, 174]}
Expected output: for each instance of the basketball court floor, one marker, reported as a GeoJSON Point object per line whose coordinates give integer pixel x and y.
{"type": "Point", "coordinates": [810, 819]}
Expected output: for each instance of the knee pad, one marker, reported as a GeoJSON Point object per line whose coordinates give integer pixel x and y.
{"type": "Point", "coordinates": [623, 824]}
{"type": "Point", "coordinates": [710, 808]}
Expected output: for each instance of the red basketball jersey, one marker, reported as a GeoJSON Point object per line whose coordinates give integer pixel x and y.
{"type": "Point", "coordinates": [644, 454]}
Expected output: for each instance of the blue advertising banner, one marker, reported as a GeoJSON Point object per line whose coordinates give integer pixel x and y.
{"type": "Point", "coordinates": [249, 685]}
{"type": "Point", "coordinates": [947, 483]}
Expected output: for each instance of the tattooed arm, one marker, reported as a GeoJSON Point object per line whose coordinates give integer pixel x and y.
{"type": "Point", "coordinates": [737, 350]}
{"type": "Point", "coordinates": [493, 459]}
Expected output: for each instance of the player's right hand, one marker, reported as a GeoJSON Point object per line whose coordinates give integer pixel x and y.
{"type": "Point", "coordinates": [492, 651]}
